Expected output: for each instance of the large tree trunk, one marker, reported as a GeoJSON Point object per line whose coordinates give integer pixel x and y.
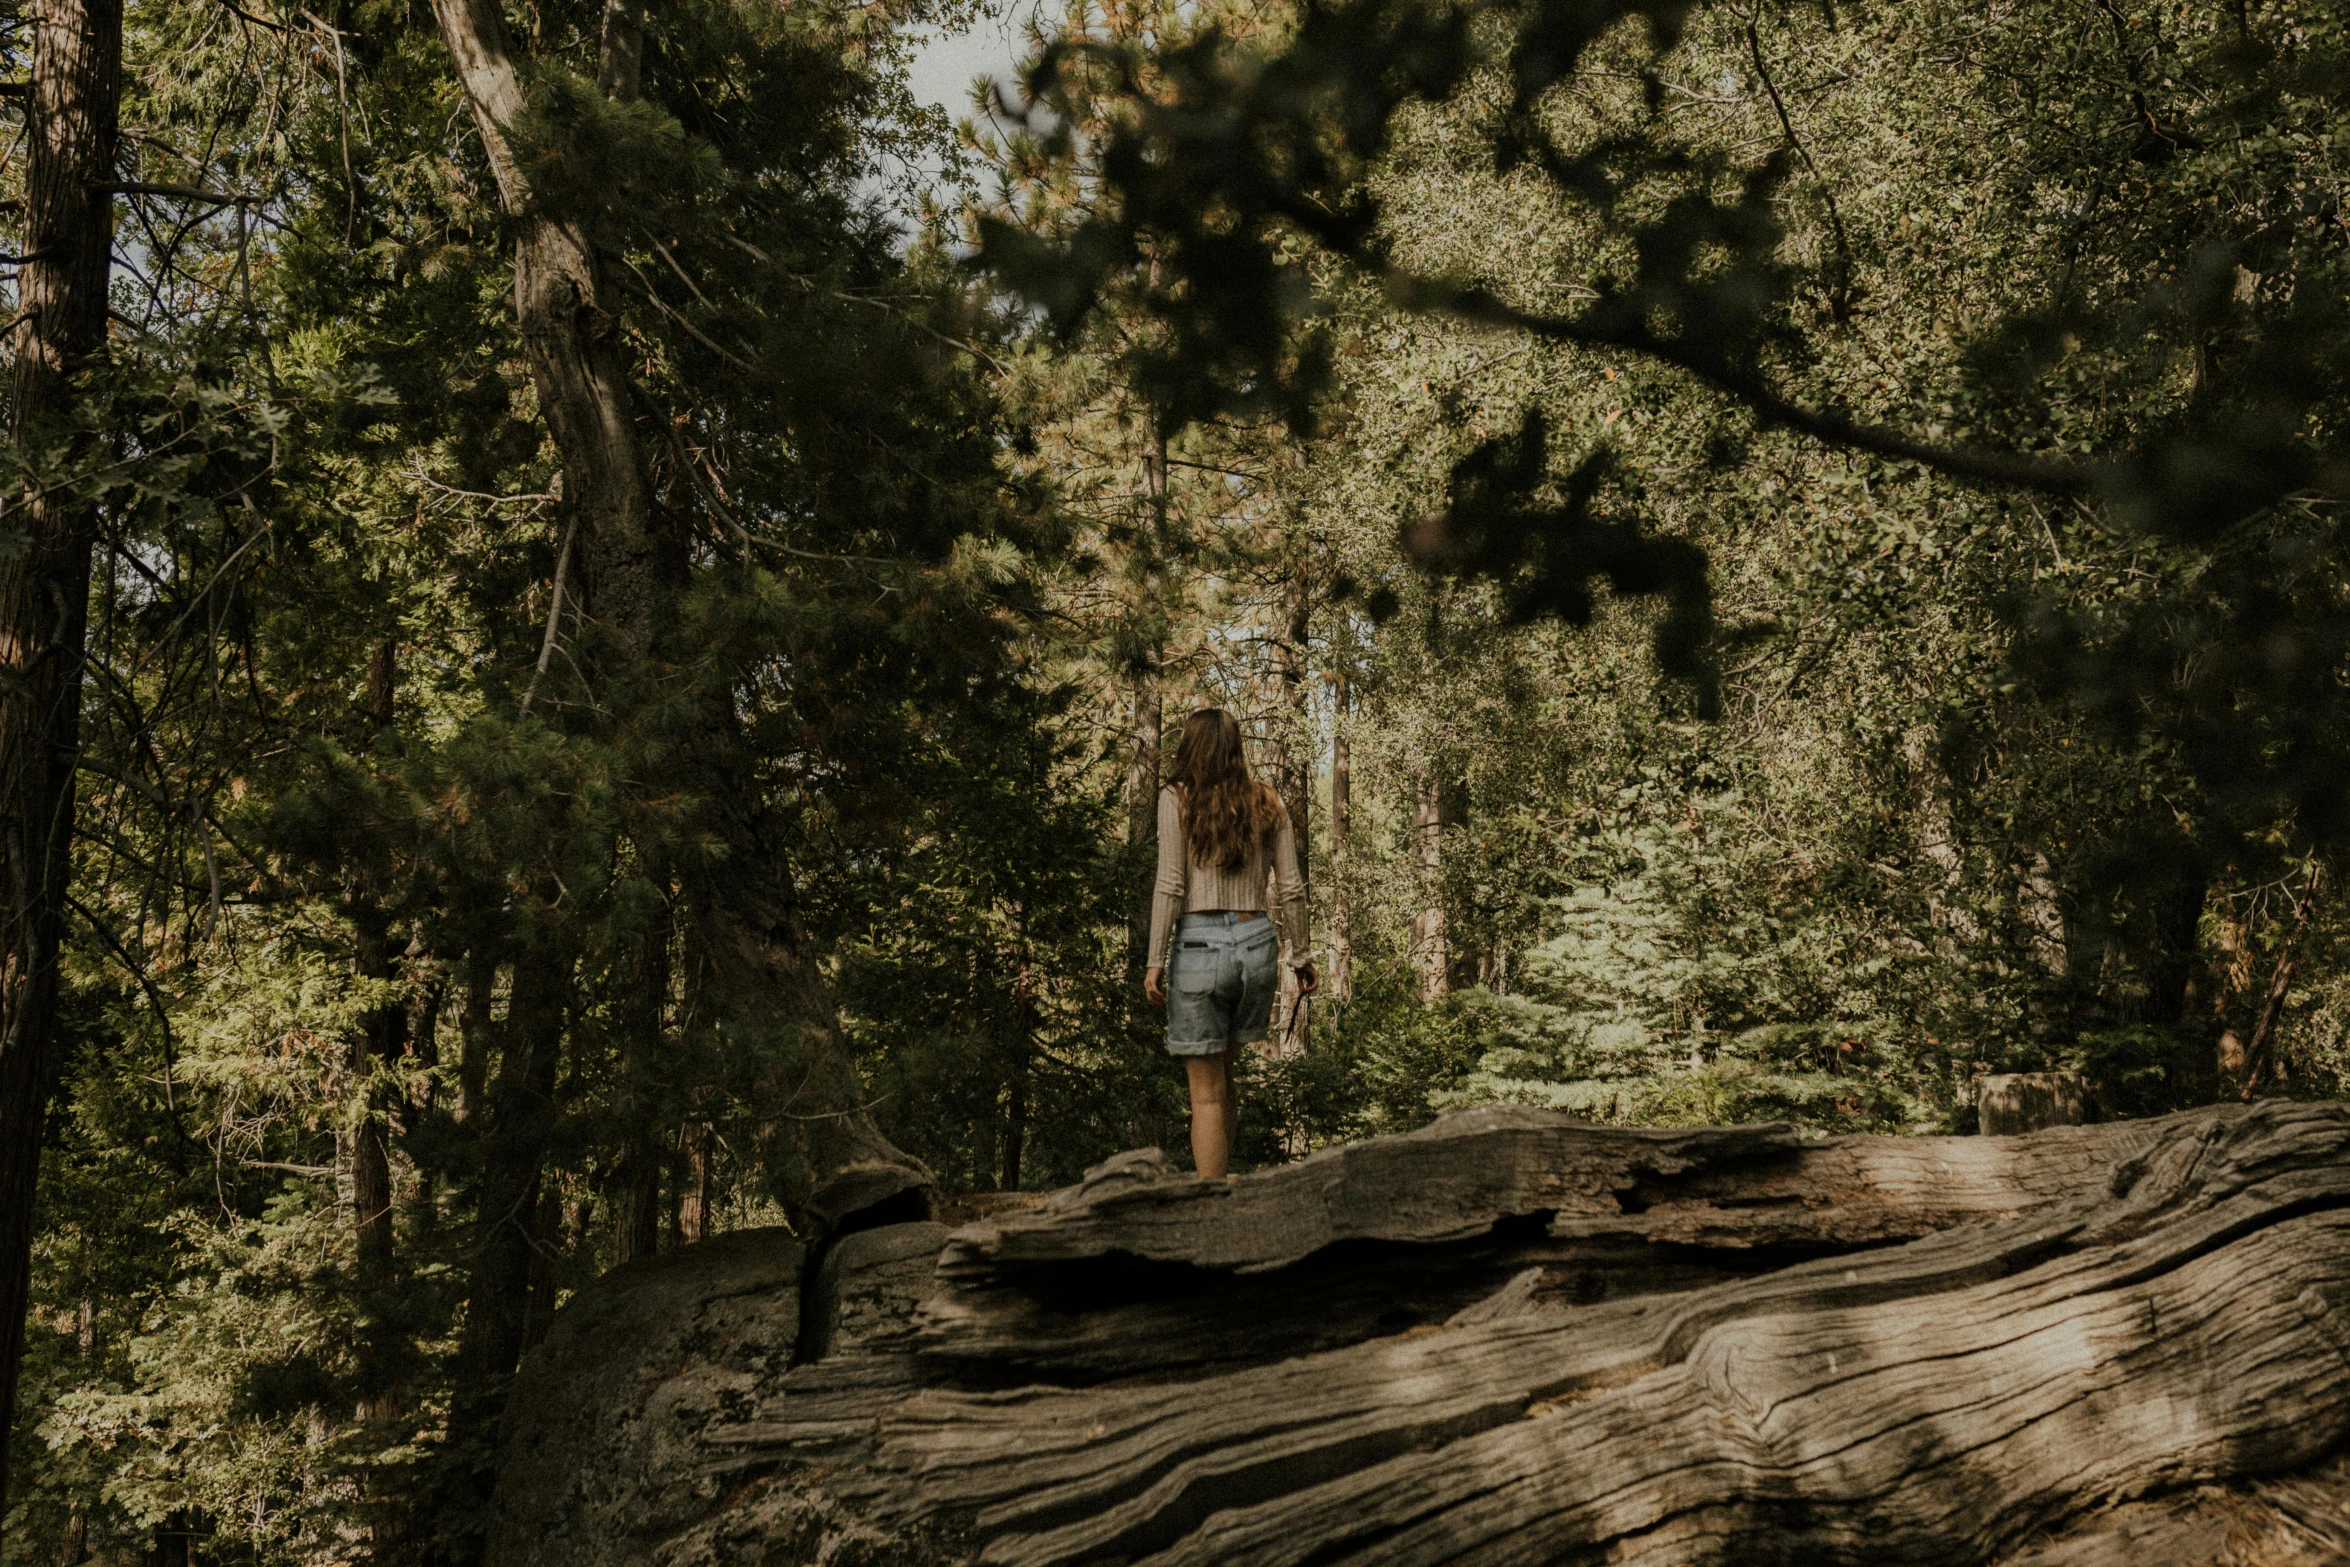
{"type": "Point", "coordinates": [1509, 1338]}
{"type": "Point", "coordinates": [569, 329]}
{"type": "Point", "coordinates": [70, 111]}
{"type": "Point", "coordinates": [832, 1161]}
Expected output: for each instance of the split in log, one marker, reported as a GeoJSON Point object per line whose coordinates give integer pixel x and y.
{"type": "Point", "coordinates": [1509, 1338]}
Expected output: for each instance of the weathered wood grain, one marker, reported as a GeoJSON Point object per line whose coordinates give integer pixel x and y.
{"type": "Point", "coordinates": [2110, 1343]}
{"type": "Point", "coordinates": [1143, 1269]}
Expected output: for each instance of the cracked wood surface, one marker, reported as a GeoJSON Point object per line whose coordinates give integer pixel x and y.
{"type": "Point", "coordinates": [2056, 1347]}
{"type": "Point", "coordinates": [1110, 1277]}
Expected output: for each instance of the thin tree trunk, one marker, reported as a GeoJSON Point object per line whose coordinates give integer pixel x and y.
{"type": "Point", "coordinates": [1144, 735]}
{"type": "Point", "coordinates": [1431, 955]}
{"type": "Point", "coordinates": [636, 1189]}
{"type": "Point", "coordinates": [2260, 1055]}
{"type": "Point", "coordinates": [70, 115]}
{"type": "Point", "coordinates": [1015, 1124]}
{"type": "Point", "coordinates": [1293, 750]}
{"type": "Point", "coordinates": [1142, 820]}
{"type": "Point", "coordinates": [2261, 1052]}
{"type": "Point", "coordinates": [1341, 979]}
{"type": "Point", "coordinates": [475, 1020]}
{"type": "Point", "coordinates": [1016, 1086]}
{"type": "Point", "coordinates": [378, 1038]}
{"type": "Point", "coordinates": [547, 1231]}
{"type": "Point", "coordinates": [520, 1112]}
{"type": "Point", "coordinates": [1294, 780]}
{"type": "Point", "coordinates": [693, 1183]}
{"type": "Point", "coordinates": [424, 1050]}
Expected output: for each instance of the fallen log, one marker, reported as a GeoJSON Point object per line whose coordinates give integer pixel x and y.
{"type": "Point", "coordinates": [1508, 1338]}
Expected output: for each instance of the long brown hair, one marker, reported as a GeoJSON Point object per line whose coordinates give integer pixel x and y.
{"type": "Point", "coordinates": [1226, 813]}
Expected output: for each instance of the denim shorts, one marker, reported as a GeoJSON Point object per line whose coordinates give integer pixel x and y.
{"type": "Point", "coordinates": [1220, 982]}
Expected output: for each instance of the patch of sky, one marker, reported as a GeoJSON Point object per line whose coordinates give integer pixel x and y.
{"type": "Point", "coordinates": [947, 69]}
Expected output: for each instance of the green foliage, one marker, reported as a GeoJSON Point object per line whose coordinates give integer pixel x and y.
{"type": "Point", "coordinates": [1817, 530]}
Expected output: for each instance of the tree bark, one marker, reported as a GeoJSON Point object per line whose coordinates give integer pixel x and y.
{"type": "Point", "coordinates": [1341, 978]}
{"type": "Point", "coordinates": [423, 1047]}
{"type": "Point", "coordinates": [645, 1111]}
{"type": "Point", "coordinates": [379, 1036]}
{"type": "Point", "coordinates": [1510, 1337]}
{"type": "Point", "coordinates": [1142, 819]}
{"type": "Point", "coordinates": [1145, 732]}
{"type": "Point", "coordinates": [2175, 956]}
{"type": "Point", "coordinates": [636, 1207]}
{"type": "Point", "coordinates": [2260, 1053]}
{"type": "Point", "coordinates": [1293, 749]}
{"type": "Point", "coordinates": [549, 1242]}
{"type": "Point", "coordinates": [1293, 767]}
{"type": "Point", "coordinates": [519, 1115]}
{"type": "Point", "coordinates": [1431, 949]}
{"type": "Point", "coordinates": [569, 331]}
{"type": "Point", "coordinates": [693, 1183]}
{"type": "Point", "coordinates": [70, 131]}
{"type": "Point", "coordinates": [475, 1024]}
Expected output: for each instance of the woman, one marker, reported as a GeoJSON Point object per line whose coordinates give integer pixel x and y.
{"type": "Point", "coordinates": [1220, 831]}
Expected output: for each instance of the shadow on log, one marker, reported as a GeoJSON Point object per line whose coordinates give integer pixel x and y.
{"type": "Point", "coordinates": [1508, 1338]}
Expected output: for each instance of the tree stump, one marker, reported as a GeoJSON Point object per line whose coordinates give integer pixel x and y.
{"type": "Point", "coordinates": [1507, 1338]}
{"type": "Point", "coordinates": [2010, 1104]}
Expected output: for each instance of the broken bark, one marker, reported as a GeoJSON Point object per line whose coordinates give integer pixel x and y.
{"type": "Point", "coordinates": [2104, 1343]}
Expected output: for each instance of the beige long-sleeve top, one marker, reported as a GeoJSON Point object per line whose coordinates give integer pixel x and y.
{"type": "Point", "coordinates": [1186, 887]}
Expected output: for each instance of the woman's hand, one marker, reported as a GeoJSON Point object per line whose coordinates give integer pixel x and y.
{"type": "Point", "coordinates": [1307, 980]}
{"type": "Point", "coordinates": [1154, 985]}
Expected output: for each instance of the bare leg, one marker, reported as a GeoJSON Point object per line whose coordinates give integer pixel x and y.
{"type": "Point", "coordinates": [1213, 1113]}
